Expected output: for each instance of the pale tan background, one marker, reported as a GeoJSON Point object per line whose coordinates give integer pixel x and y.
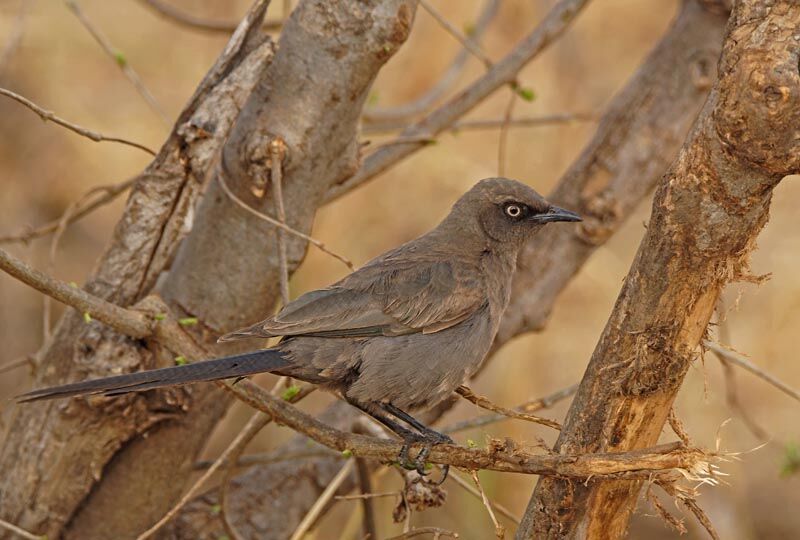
{"type": "Point", "coordinates": [44, 168]}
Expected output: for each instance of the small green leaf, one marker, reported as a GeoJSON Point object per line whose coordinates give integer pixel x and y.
{"type": "Point", "coordinates": [791, 460]}
{"type": "Point", "coordinates": [469, 29]}
{"type": "Point", "coordinates": [347, 453]}
{"type": "Point", "coordinates": [216, 509]}
{"type": "Point", "coordinates": [87, 318]}
{"type": "Point", "coordinates": [373, 98]}
{"type": "Point", "coordinates": [187, 321]}
{"type": "Point", "coordinates": [160, 316]}
{"type": "Point", "coordinates": [526, 93]}
{"type": "Point", "coordinates": [290, 392]}
{"type": "Point", "coordinates": [224, 537]}
{"type": "Point", "coordinates": [428, 466]}
{"type": "Point", "coordinates": [120, 59]}
{"type": "Point", "coordinates": [471, 444]}
{"type": "Point", "coordinates": [73, 284]}
{"type": "Point", "coordinates": [180, 361]}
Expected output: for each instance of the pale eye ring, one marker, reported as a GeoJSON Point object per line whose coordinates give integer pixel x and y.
{"type": "Point", "coordinates": [513, 210]}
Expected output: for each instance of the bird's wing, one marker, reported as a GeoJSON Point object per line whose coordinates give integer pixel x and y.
{"type": "Point", "coordinates": [387, 297]}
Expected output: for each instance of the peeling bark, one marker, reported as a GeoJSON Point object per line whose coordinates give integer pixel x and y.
{"type": "Point", "coordinates": [707, 213]}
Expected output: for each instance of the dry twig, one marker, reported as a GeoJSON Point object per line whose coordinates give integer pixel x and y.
{"type": "Point", "coordinates": [499, 530]}
{"type": "Point", "coordinates": [20, 531]}
{"type": "Point", "coordinates": [119, 59]}
{"type": "Point", "coordinates": [323, 501]}
{"type": "Point", "coordinates": [277, 151]}
{"type": "Point", "coordinates": [188, 20]}
{"type": "Point", "coordinates": [503, 72]}
{"type": "Point", "coordinates": [472, 125]}
{"type": "Point", "coordinates": [742, 361]}
{"type": "Point", "coordinates": [447, 80]}
{"type": "Point", "coordinates": [436, 532]}
{"type": "Point", "coordinates": [223, 183]}
{"type": "Point", "coordinates": [467, 43]}
{"type": "Point", "coordinates": [108, 194]}
{"type": "Point", "coordinates": [731, 388]}
{"type": "Point", "coordinates": [530, 406]}
{"type": "Point", "coordinates": [503, 139]}
{"type": "Point", "coordinates": [75, 128]}
{"type": "Point", "coordinates": [474, 492]}
{"type": "Point", "coordinates": [484, 403]}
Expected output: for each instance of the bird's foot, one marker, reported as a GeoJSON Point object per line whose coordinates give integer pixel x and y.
{"type": "Point", "coordinates": [419, 463]}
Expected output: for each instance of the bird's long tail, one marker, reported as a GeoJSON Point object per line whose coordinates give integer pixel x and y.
{"type": "Point", "coordinates": [210, 370]}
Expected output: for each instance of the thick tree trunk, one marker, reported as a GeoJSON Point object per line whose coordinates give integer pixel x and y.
{"type": "Point", "coordinates": [90, 462]}
{"type": "Point", "coordinates": [706, 216]}
{"type": "Point", "coordinates": [635, 142]}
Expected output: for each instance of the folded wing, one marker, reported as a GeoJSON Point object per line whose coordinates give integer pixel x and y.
{"type": "Point", "coordinates": [389, 296]}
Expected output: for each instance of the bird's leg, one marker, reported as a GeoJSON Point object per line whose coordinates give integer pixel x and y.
{"type": "Point", "coordinates": [431, 437]}
{"type": "Point", "coordinates": [409, 437]}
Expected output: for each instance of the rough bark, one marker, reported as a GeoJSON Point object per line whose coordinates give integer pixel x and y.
{"type": "Point", "coordinates": [706, 215]}
{"type": "Point", "coordinates": [68, 477]}
{"type": "Point", "coordinates": [50, 469]}
{"type": "Point", "coordinates": [635, 142]}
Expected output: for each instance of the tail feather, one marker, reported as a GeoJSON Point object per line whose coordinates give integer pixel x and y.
{"type": "Point", "coordinates": [210, 370]}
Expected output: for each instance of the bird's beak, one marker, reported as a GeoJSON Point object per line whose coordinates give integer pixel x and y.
{"type": "Point", "coordinates": [556, 214]}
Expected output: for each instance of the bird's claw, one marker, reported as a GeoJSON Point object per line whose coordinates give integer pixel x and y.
{"type": "Point", "coordinates": [419, 462]}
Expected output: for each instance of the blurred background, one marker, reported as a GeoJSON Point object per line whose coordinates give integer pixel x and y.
{"type": "Point", "coordinates": [43, 169]}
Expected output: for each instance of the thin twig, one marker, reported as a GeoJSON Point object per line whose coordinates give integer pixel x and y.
{"type": "Point", "coordinates": [502, 73]}
{"type": "Point", "coordinates": [677, 426]}
{"type": "Point", "coordinates": [362, 496]}
{"type": "Point", "coordinates": [323, 500]}
{"type": "Point", "coordinates": [448, 79]}
{"type": "Point", "coordinates": [253, 426]}
{"type": "Point", "coordinates": [484, 403]}
{"type": "Point", "coordinates": [635, 464]}
{"type": "Point", "coordinates": [529, 406]}
{"type": "Point", "coordinates": [220, 177]}
{"type": "Point", "coordinates": [455, 477]}
{"type": "Point", "coordinates": [188, 20]}
{"type": "Point", "coordinates": [17, 31]}
{"type": "Point", "coordinates": [368, 527]}
{"type": "Point", "coordinates": [277, 150]}
{"type": "Point", "coordinates": [503, 138]}
{"type": "Point", "coordinates": [743, 362]}
{"type": "Point", "coordinates": [436, 532]}
{"type": "Point", "coordinates": [728, 371]}
{"type": "Point", "coordinates": [467, 43]}
{"type": "Point", "coordinates": [257, 422]}
{"type": "Point", "coordinates": [109, 193]}
{"type": "Point", "coordinates": [27, 359]}
{"type": "Point", "coordinates": [20, 531]}
{"type": "Point", "coordinates": [119, 59]}
{"type": "Point", "coordinates": [499, 530]}
{"type": "Point", "coordinates": [130, 322]}
{"type": "Point", "coordinates": [75, 128]}
{"type": "Point", "coordinates": [270, 457]}
{"type": "Point", "coordinates": [492, 123]}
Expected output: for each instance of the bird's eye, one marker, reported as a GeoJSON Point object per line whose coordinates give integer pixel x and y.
{"type": "Point", "coordinates": [513, 210]}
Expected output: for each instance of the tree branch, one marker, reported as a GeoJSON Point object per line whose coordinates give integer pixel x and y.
{"type": "Point", "coordinates": [194, 22]}
{"type": "Point", "coordinates": [503, 72]}
{"type": "Point", "coordinates": [88, 133]}
{"type": "Point", "coordinates": [706, 216]}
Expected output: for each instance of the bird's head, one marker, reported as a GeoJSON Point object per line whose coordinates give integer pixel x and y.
{"type": "Point", "coordinates": [506, 211]}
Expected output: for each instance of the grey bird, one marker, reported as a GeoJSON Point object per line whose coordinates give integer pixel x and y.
{"type": "Point", "coordinates": [399, 334]}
